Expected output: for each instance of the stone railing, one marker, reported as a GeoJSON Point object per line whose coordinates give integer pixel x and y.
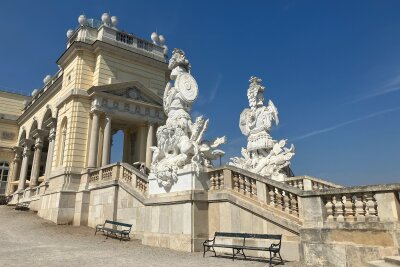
{"type": "Point", "coordinates": [89, 34]}
{"type": "Point", "coordinates": [122, 172]}
{"type": "Point", "coordinates": [359, 203]}
{"type": "Point", "coordinates": [133, 177]}
{"type": "Point", "coordinates": [310, 183]}
{"type": "Point", "coordinates": [271, 193]}
{"type": "Point", "coordinates": [316, 206]}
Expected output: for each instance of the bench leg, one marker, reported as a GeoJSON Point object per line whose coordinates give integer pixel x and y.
{"type": "Point", "coordinates": [283, 263]}
{"type": "Point", "coordinates": [270, 258]}
{"type": "Point", "coordinates": [233, 254]}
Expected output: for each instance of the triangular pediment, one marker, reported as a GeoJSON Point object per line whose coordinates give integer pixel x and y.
{"type": "Point", "coordinates": [133, 90]}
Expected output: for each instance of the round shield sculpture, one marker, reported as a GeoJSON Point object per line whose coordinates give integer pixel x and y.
{"type": "Point", "coordinates": [187, 87]}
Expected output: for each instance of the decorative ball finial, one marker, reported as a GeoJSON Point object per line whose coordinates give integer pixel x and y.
{"type": "Point", "coordinates": [105, 18]}
{"type": "Point", "coordinates": [47, 79]}
{"type": "Point", "coordinates": [70, 32]}
{"type": "Point", "coordinates": [82, 20]}
{"type": "Point", "coordinates": [161, 39]}
{"type": "Point", "coordinates": [35, 92]}
{"type": "Point", "coordinates": [114, 21]}
{"type": "Point", "coordinates": [154, 37]}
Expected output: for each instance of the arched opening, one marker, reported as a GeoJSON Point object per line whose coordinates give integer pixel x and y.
{"type": "Point", "coordinates": [30, 159]}
{"type": "Point", "coordinates": [117, 146]}
{"type": "Point", "coordinates": [4, 171]}
{"type": "Point", "coordinates": [22, 136]}
{"type": "Point", "coordinates": [45, 149]}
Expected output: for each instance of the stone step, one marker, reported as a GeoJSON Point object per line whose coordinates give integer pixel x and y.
{"type": "Point", "coordinates": [393, 260]}
{"type": "Point", "coordinates": [381, 263]}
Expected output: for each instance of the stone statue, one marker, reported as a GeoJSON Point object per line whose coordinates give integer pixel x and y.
{"type": "Point", "coordinates": [263, 155]}
{"type": "Point", "coordinates": [180, 141]}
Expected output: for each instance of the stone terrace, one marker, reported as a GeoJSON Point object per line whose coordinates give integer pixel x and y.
{"type": "Point", "coordinates": [28, 239]}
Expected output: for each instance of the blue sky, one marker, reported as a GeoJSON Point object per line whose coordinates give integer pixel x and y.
{"type": "Point", "coordinates": [331, 67]}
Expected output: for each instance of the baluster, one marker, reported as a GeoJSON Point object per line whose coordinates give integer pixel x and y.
{"type": "Point", "coordinates": [272, 196]}
{"type": "Point", "coordinates": [314, 186]}
{"type": "Point", "coordinates": [293, 204]}
{"type": "Point", "coordinates": [236, 181]}
{"type": "Point", "coordinates": [221, 180]}
{"type": "Point", "coordinates": [329, 206]}
{"type": "Point", "coordinates": [348, 208]}
{"type": "Point", "coordinates": [372, 212]}
{"type": "Point", "coordinates": [286, 202]}
{"type": "Point", "coordinates": [212, 181]}
{"type": "Point", "coordinates": [301, 184]}
{"type": "Point", "coordinates": [247, 186]}
{"type": "Point", "coordinates": [279, 199]}
{"type": "Point", "coordinates": [217, 181]}
{"type": "Point", "coordinates": [360, 208]}
{"type": "Point", "coordinates": [242, 184]}
{"type": "Point", "coordinates": [253, 188]}
{"type": "Point", "coordinates": [339, 209]}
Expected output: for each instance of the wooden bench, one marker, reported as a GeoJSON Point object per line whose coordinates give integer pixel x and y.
{"type": "Point", "coordinates": [22, 206]}
{"type": "Point", "coordinates": [238, 249]}
{"type": "Point", "coordinates": [116, 229]}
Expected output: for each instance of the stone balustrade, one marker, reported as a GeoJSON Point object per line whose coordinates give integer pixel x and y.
{"type": "Point", "coordinates": [359, 203]}
{"type": "Point", "coordinates": [122, 172]}
{"type": "Point", "coordinates": [332, 202]}
{"type": "Point", "coordinates": [310, 183]}
{"type": "Point", "coordinates": [271, 193]}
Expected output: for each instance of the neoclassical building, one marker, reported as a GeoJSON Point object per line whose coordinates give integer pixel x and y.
{"type": "Point", "coordinates": [55, 151]}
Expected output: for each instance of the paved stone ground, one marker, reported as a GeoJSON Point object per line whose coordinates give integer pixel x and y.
{"type": "Point", "coordinates": [27, 240]}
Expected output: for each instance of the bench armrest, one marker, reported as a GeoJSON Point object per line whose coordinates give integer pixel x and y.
{"type": "Point", "coordinates": [99, 226]}
{"type": "Point", "coordinates": [209, 241]}
{"type": "Point", "coordinates": [275, 245]}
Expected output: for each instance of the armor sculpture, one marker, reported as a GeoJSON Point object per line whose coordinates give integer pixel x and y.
{"type": "Point", "coordinates": [180, 141]}
{"type": "Point", "coordinates": [263, 155]}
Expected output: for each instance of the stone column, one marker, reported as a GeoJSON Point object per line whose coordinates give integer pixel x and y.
{"type": "Point", "coordinates": [51, 123]}
{"type": "Point", "coordinates": [106, 141]}
{"type": "Point", "coordinates": [149, 143]}
{"type": "Point", "coordinates": [26, 143]}
{"type": "Point", "coordinates": [94, 140]}
{"type": "Point", "coordinates": [38, 135]}
{"type": "Point", "coordinates": [127, 146]}
{"type": "Point", "coordinates": [140, 150]}
{"type": "Point", "coordinates": [16, 167]}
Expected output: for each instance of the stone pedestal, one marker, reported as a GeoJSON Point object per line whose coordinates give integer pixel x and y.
{"type": "Point", "coordinates": [181, 217]}
{"type": "Point", "coordinates": [187, 180]}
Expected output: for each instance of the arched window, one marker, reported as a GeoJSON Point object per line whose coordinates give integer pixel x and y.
{"type": "Point", "coordinates": [4, 168]}
{"type": "Point", "coordinates": [62, 142]}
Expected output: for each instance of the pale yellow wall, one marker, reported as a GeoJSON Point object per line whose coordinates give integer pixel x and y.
{"type": "Point", "coordinates": [109, 65]}
{"type": "Point", "coordinates": [11, 104]}
{"type": "Point", "coordinates": [78, 73]}
{"type": "Point", "coordinates": [82, 70]}
{"type": "Point", "coordinates": [8, 133]}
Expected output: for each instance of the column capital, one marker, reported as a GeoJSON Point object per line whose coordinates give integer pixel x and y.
{"type": "Point", "coordinates": [39, 134]}
{"type": "Point", "coordinates": [18, 152]}
{"type": "Point", "coordinates": [96, 112]}
{"type": "Point", "coordinates": [50, 123]}
{"type": "Point", "coordinates": [108, 115]}
{"type": "Point", "coordinates": [26, 142]}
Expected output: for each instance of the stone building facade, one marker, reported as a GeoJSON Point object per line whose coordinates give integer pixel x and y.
{"type": "Point", "coordinates": [57, 145]}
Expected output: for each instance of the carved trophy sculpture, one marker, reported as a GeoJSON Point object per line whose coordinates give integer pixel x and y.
{"type": "Point", "coordinates": [180, 141]}
{"type": "Point", "coordinates": [263, 155]}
